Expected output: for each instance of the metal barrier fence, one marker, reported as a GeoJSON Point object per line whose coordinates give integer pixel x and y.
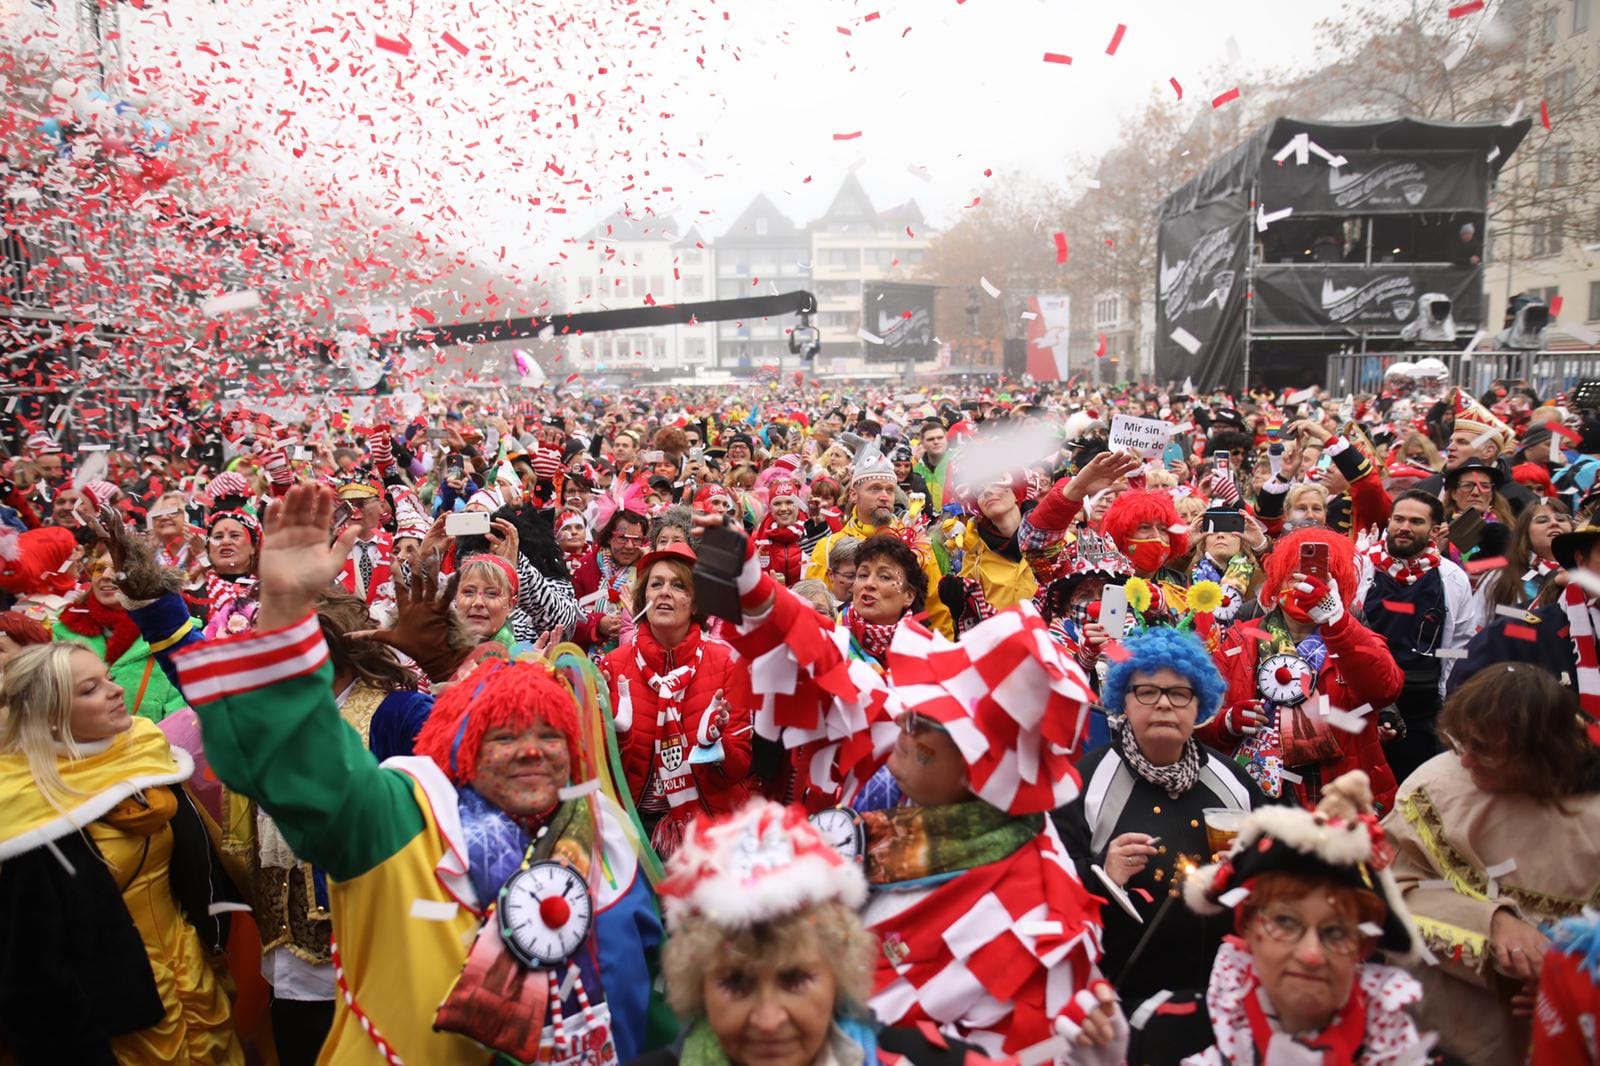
{"type": "Point", "coordinates": [1548, 373]}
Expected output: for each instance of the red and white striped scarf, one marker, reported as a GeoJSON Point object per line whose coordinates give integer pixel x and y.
{"type": "Point", "coordinates": [1406, 571]}
{"type": "Point", "coordinates": [1540, 568]}
{"type": "Point", "coordinates": [1580, 623]}
{"type": "Point", "coordinates": [220, 591]}
{"type": "Point", "coordinates": [674, 776]}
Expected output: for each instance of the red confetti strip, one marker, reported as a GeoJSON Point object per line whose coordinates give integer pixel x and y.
{"type": "Point", "coordinates": [1555, 306]}
{"type": "Point", "coordinates": [450, 39]}
{"type": "Point", "coordinates": [1100, 346]}
{"type": "Point", "coordinates": [1142, 893]}
{"type": "Point", "coordinates": [1544, 114]}
{"type": "Point", "coordinates": [1058, 57]}
{"type": "Point", "coordinates": [1463, 10]}
{"type": "Point", "coordinates": [1252, 631]}
{"type": "Point", "coordinates": [1061, 247]}
{"type": "Point", "coordinates": [846, 136]}
{"type": "Point", "coordinates": [1478, 566]}
{"type": "Point", "coordinates": [1116, 40]}
{"type": "Point", "coordinates": [1397, 607]}
{"type": "Point", "coordinates": [401, 47]}
{"type": "Point", "coordinates": [870, 17]}
{"type": "Point", "coordinates": [1225, 98]}
{"type": "Point", "coordinates": [1566, 431]}
{"type": "Point", "coordinates": [976, 200]}
{"type": "Point", "coordinates": [1114, 651]}
{"type": "Point", "coordinates": [1176, 87]}
{"type": "Point", "coordinates": [1521, 632]}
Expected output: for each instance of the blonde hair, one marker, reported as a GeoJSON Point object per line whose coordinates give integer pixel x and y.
{"type": "Point", "coordinates": [478, 568]}
{"type": "Point", "coordinates": [1302, 490]}
{"type": "Point", "coordinates": [698, 946]}
{"type": "Point", "coordinates": [36, 694]}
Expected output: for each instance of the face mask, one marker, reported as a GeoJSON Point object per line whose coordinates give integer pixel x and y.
{"type": "Point", "coordinates": [1147, 555]}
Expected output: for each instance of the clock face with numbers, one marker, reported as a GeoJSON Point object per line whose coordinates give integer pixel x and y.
{"type": "Point", "coordinates": [545, 913]}
{"type": "Point", "coordinates": [1281, 678]}
{"type": "Point", "coordinates": [842, 829]}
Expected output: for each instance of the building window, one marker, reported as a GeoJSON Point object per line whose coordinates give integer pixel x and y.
{"type": "Point", "coordinates": [1550, 28]}
{"type": "Point", "coordinates": [842, 258]}
{"type": "Point", "coordinates": [1594, 301]}
{"type": "Point", "coordinates": [658, 284]}
{"type": "Point", "coordinates": [1555, 166]}
{"type": "Point", "coordinates": [693, 287]}
{"type": "Point", "coordinates": [1558, 88]}
{"type": "Point", "coordinates": [694, 348]}
{"type": "Point", "coordinates": [1580, 15]}
{"type": "Point", "coordinates": [692, 256]}
{"type": "Point", "coordinates": [639, 288]}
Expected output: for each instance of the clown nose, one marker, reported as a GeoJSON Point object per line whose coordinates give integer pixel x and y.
{"type": "Point", "coordinates": [1283, 675]}
{"type": "Point", "coordinates": [554, 911]}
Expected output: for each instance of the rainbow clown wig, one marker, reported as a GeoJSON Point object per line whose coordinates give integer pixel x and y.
{"type": "Point", "coordinates": [1174, 649]}
{"type": "Point", "coordinates": [1140, 507]}
{"type": "Point", "coordinates": [497, 694]}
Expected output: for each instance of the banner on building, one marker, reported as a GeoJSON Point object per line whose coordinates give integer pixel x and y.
{"type": "Point", "coordinates": [899, 316]}
{"type": "Point", "coordinates": [1378, 183]}
{"type": "Point", "coordinates": [1046, 318]}
{"type": "Point", "coordinates": [1367, 299]}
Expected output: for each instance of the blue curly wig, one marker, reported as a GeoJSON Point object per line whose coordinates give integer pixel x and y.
{"type": "Point", "coordinates": [1174, 649]}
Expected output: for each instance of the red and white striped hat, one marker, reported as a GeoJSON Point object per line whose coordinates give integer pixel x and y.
{"type": "Point", "coordinates": [229, 483]}
{"type": "Point", "coordinates": [43, 444]}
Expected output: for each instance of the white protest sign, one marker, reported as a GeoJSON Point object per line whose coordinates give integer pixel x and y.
{"type": "Point", "coordinates": [1144, 436]}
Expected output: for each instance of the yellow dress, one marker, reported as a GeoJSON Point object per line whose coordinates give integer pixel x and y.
{"type": "Point", "coordinates": [198, 1027]}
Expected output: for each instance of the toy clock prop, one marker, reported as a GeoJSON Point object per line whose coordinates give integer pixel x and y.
{"type": "Point", "coordinates": [1282, 678]}
{"type": "Point", "coordinates": [524, 963]}
{"type": "Point", "coordinates": [843, 831]}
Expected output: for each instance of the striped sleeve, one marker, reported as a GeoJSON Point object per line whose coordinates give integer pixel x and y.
{"type": "Point", "coordinates": [217, 669]}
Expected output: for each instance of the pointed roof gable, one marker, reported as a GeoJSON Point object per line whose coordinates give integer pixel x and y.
{"type": "Point", "coordinates": [617, 226]}
{"type": "Point", "coordinates": [850, 204]}
{"type": "Point", "coordinates": [906, 214]}
{"type": "Point", "coordinates": [744, 227]}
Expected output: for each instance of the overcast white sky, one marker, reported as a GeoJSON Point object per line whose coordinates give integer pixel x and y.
{"type": "Point", "coordinates": [946, 87]}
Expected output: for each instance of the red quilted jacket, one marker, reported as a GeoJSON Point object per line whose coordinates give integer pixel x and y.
{"type": "Point", "coordinates": [779, 550]}
{"type": "Point", "coordinates": [723, 786]}
{"type": "Point", "coordinates": [1358, 670]}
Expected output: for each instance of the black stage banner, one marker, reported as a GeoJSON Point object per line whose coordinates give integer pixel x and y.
{"type": "Point", "coordinates": [1377, 183]}
{"type": "Point", "coordinates": [1367, 299]}
{"type": "Point", "coordinates": [1200, 294]}
{"type": "Point", "coordinates": [901, 316]}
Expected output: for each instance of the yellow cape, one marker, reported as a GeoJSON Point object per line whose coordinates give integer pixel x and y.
{"type": "Point", "coordinates": [1004, 582]}
{"type": "Point", "coordinates": [139, 759]}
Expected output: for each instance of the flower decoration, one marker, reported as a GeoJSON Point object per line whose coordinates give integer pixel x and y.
{"type": "Point", "coordinates": [1204, 597]}
{"type": "Point", "coordinates": [1138, 591]}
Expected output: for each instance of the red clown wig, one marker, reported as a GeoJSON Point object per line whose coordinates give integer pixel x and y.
{"type": "Point", "coordinates": [1139, 507]}
{"type": "Point", "coordinates": [497, 694]}
{"type": "Point", "coordinates": [1285, 560]}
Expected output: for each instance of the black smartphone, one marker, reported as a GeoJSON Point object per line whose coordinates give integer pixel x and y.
{"type": "Point", "coordinates": [1220, 521]}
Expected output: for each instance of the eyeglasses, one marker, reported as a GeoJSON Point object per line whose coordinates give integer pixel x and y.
{"type": "Point", "coordinates": [624, 538]}
{"type": "Point", "coordinates": [1150, 695]}
{"type": "Point", "coordinates": [1286, 927]}
{"type": "Point", "coordinates": [1481, 487]}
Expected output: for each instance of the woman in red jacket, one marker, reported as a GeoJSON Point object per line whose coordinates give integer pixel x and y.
{"type": "Point", "coordinates": [682, 704]}
{"type": "Point", "coordinates": [1279, 668]}
{"type": "Point", "coordinates": [779, 534]}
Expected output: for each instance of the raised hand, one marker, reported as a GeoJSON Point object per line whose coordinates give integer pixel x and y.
{"type": "Point", "coordinates": [1101, 472]}
{"type": "Point", "coordinates": [297, 561]}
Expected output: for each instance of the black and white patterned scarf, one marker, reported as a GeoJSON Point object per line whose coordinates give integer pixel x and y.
{"type": "Point", "coordinates": [1176, 779]}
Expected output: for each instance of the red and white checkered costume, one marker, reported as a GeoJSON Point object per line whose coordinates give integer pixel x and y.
{"type": "Point", "coordinates": [1002, 954]}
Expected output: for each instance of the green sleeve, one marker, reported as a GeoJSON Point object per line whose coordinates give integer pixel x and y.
{"type": "Point", "coordinates": [272, 732]}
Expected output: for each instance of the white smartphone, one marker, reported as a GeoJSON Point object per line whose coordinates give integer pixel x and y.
{"type": "Point", "coordinates": [1114, 611]}
{"type": "Point", "coordinates": [467, 524]}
